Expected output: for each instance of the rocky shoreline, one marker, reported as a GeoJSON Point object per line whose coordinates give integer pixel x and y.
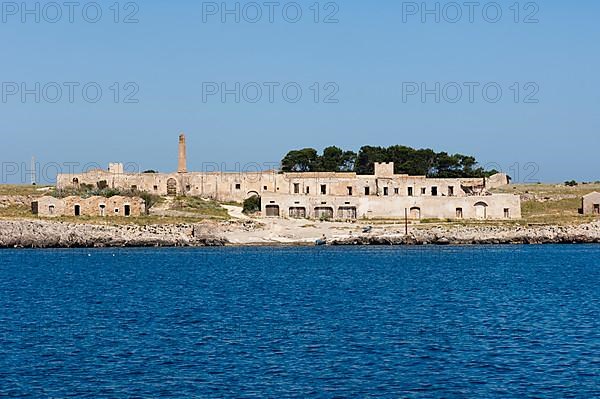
{"type": "Point", "coordinates": [48, 234]}
{"type": "Point", "coordinates": [484, 235]}
{"type": "Point", "coordinates": [44, 234]}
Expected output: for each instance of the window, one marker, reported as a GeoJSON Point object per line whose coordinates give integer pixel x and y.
{"type": "Point", "coordinates": [434, 191]}
{"type": "Point", "coordinates": [265, 188]}
{"type": "Point", "coordinates": [506, 213]}
{"type": "Point", "coordinates": [307, 190]}
{"type": "Point", "coordinates": [350, 191]}
{"type": "Point", "coordinates": [134, 188]}
{"type": "Point", "coordinates": [296, 188]}
{"type": "Point", "coordinates": [155, 188]}
{"type": "Point", "coordinates": [51, 209]}
{"type": "Point", "coordinates": [450, 191]}
{"type": "Point", "coordinates": [323, 189]}
{"type": "Point", "coordinates": [116, 210]}
{"type": "Point", "coordinates": [238, 186]}
{"type": "Point", "coordinates": [385, 191]}
{"type": "Point", "coordinates": [459, 213]}
{"type": "Point", "coordinates": [597, 209]}
{"type": "Point", "coordinates": [188, 187]}
{"type": "Point", "coordinates": [410, 191]}
{"type": "Point", "coordinates": [396, 191]}
{"type": "Point", "coordinates": [367, 191]}
{"type": "Point", "coordinates": [424, 191]}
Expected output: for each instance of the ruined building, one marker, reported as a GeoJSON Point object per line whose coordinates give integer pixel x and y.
{"type": "Point", "coordinates": [323, 195]}
{"type": "Point", "coordinates": [116, 206]}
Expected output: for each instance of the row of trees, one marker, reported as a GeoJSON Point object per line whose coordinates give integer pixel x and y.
{"type": "Point", "coordinates": [417, 162]}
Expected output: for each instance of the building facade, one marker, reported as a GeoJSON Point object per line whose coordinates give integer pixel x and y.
{"type": "Point", "coordinates": [117, 206]}
{"type": "Point", "coordinates": [590, 204]}
{"type": "Point", "coordinates": [331, 195]}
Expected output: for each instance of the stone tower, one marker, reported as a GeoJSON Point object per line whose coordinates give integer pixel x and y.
{"type": "Point", "coordinates": [182, 161]}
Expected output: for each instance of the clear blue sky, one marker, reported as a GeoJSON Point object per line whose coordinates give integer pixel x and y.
{"type": "Point", "coordinates": [370, 55]}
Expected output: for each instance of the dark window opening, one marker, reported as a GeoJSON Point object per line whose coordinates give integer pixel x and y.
{"type": "Point", "coordinates": [127, 210]}
{"type": "Point", "coordinates": [350, 191]}
{"type": "Point", "coordinates": [296, 188]}
{"type": "Point", "coordinates": [155, 188]}
{"type": "Point", "coordinates": [77, 210]}
{"type": "Point", "coordinates": [265, 188]}
{"type": "Point", "coordinates": [307, 190]}
{"type": "Point", "coordinates": [423, 190]}
{"type": "Point", "coordinates": [396, 191]}
{"type": "Point", "coordinates": [450, 191]}
{"type": "Point", "coordinates": [367, 191]}
{"type": "Point", "coordinates": [323, 189]}
{"type": "Point", "coordinates": [597, 209]}
{"type": "Point", "coordinates": [385, 191]}
{"type": "Point", "coordinates": [238, 186]}
{"type": "Point", "coordinates": [506, 213]}
{"type": "Point", "coordinates": [459, 213]}
{"type": "Point", "coordinates": [434, 191]}
{"type": "Point", "coordinates": [410, 191]}
{"type": "Point", "coordinates": [272, 210]}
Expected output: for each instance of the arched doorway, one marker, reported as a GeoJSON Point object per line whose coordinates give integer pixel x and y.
{"type": "Point", "coordinates": [298, 212]}
{"type": "Point", "coordinates": [415, 213]}
{"type": "Point", "coordinates": [347, 212]}
{"type": "Point", "coordinates": [172, 187]}
{"type": "Point", "coordinates": [251, 194]}
{"type": "Point", "coordinates": [481, 210]}
{"type": "Point", "coordinates": [323, 212]}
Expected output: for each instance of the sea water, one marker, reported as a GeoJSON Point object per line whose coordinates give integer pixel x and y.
{"type": "Point", "coordinates": [361, 322]}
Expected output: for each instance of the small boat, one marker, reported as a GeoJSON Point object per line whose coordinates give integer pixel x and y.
{"type": "Point", "coordinates": [321, 241]}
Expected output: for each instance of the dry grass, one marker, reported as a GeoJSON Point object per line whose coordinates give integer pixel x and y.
{"type": "Point", "coordinates": [22, 189]}
{"type": "Point", "coordinates": [551, 203]}
{"type": "Point", "coordinates": [201, 207]}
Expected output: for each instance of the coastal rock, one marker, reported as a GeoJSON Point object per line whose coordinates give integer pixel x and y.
{"type": "Point", "coordinates": [45, 234]}
{"type": "Point", "coordinates": [484, 235]}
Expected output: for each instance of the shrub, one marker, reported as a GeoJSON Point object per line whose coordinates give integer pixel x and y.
{"type": "Point", "coordinates": [252, 204]}
{"type": "Point", "coordinates": [150, 200]}
{"type": "Point", "coordinates": [571, 183]}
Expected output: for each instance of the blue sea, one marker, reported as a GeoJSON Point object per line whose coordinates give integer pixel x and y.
{"type": "Point", "coordinates": [360, 322]}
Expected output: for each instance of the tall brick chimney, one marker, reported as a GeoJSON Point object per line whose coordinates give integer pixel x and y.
{"type": "Point", "coordinates": [182, 161]}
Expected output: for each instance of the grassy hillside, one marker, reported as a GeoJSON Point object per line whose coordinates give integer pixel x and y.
{"type": "Point", "coordinates": [551, 203]}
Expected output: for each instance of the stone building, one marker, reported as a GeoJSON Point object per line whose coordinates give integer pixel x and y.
{"type": "Point", "coordinates": [117, 206]}
{"type": "Point", "coordinates": [590, 204]}
{"type": "Point", "coordinates": [330, 195]}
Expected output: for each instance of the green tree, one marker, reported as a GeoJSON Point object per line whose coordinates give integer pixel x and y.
{"type": "Point", "coordinates": [252, 204]}
{"type": "Point", "coordinates": [334, 159]}
{"type": "Point", "coordinates": [305, 160]}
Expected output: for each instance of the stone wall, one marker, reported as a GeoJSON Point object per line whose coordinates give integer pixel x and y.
{"type": "Point", "coordinates": [239, 186]}
{"type": "Point", "coordinates": [117, 206]}
{"type": "Point", "coordinates": [498, 206]}
{"type": "Point", "coordinates": [591, 204]}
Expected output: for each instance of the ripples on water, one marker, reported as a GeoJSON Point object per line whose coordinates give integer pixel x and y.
{"type": "Point", "coordinates": [475, 322]}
